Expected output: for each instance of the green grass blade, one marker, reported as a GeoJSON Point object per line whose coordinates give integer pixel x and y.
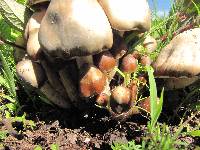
{"type": "Point", "coordinates": [8, 75]}
{"type": "Point", "coordinates": [156, 107]}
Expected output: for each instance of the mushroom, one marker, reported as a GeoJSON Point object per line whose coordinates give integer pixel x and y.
{"type": "Point", "coordinates": [128, 66]}
{"type": "Point", "coordinates": [180, 59]}
{"type": "Point", "coordinates": [72, 28]}
{"type": "Point", "coordinates": [127, 15]}
{"type": "Point", "coordinates": [145, 60]}
{"type": "Point", "coordinates": [120, 99]}
{"type": "Point", "coordinates": [66, 33]}
{"type": "Point", "coordinates": [31, 34]}
{"type": "Point", "coordinates": [31, 72]}
{"type": "Point", "coordinates": [150, 44]}
{"type": "Point", "coordinates": [92, 81]}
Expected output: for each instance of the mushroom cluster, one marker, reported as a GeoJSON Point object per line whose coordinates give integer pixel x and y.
{"type": "Point", "coordinates": [74, 46]}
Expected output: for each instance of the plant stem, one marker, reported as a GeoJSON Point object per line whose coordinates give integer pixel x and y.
{"type": "Point", "coordinates": [4, 41]}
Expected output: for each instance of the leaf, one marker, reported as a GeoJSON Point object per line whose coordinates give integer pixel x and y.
{"type": "Point", "coordinates": [7, 97]}
{"type": "Point", "coordinates": [37, 147]}
{"type": "Point", "coordinates": [13, 13]}
{"type": "Point", "coordinates": [156, 107]}
{"type": "Point", "coordinates": [54, 147]}
{"type": "Point", "coordinates": [3, 82]}
{"type": "Point", "coordinates": [8, 76]}
{"type": "Point", "coordinates": [11, 107]}
{"type": "Point", "coordinates": [195, 133]}
{"type": "Point", "coordinates": [3, 135]}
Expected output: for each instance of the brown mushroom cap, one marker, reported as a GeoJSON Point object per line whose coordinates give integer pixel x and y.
{"type": "Point", "coordinates": [92, 82]}
{"type": "Point", "coordinates": [127, 15]}
{"type": "Point", "coordinates": [181, 57]}
{"type": "Point", "coordinates": [75, 28]}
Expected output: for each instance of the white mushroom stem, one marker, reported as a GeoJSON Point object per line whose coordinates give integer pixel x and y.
{"type": "Point", "coordinates": [53, 78]}
{"type": "Point", "coordinates": [69, 85]}
{"type": "Point", "coordinates": [54, 96]}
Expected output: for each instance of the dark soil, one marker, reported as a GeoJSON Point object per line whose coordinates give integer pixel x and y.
{"type": "Point", "coordinates": [74, 129]}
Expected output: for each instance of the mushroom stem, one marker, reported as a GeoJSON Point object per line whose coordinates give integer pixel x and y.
{"type": "Point", "coordinates": [104, 96]}
{"type": "Point", "coordinates": [54, 96]}
{"type": "Point", "coordinates": [53, 78]}
{"type": "Point", "coordinates": [69, 85]}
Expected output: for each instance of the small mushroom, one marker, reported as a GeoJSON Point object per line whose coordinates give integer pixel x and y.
{"type": "Point", "coordinates": [31, 72]}
{"type": "Point", "coordinates": [145, 60]}
{"type": "Point", "coordinates": [129, 64]}
{"type": "Point", "coordinates": [145, 104]}
{"type": "Point", "coordinates": [105, 61]}
{"type": "Point", "coordinates": [92, 81]}
{"type": "Point", "coordinates": [150, 44]}
{"type": "Point", "coordinates": [31, 34]}
{"type": "Point", "coordinates": [120, 99]}
{"type": "Point", "coordinates": [127, 15]}
{"type": "Point", "coordinates": [180, 58]}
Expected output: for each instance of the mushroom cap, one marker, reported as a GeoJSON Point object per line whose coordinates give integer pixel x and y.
{"type": "Point", "coordinates": [181, 57]}
{"type": "Point", "coordinates": [33, 2]}
{"type": "Point", "coordinates": [121, 94]}
{"type": "Point", "coordinates": [31, 72]}
{"type": "Point", "coordinates": [73, 28]}
{"type": "Point", "coordinates": [127, 15]}
{"type": "Point", "coordinates": [31, 34]}
{"type": "Point", "coordinates": [129, 64]}
{"type": "Point", "coordinates": [150, 44]}
{"type": "Point", "coordinates": [105, 61]}
{"type": "Point", "coordinates": [92, 82]}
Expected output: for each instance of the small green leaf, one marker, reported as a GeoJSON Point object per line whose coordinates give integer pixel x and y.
{"type": "Point", "coordinates": [7, 97]}
{"type": "Point", "coordinates": [3, 135]}
{"type": "Point", "coordinates": [195, 133]}
{"type": "Point", "coordinates": [37, 147]}
{"type": "Point", "coordinates": [13, 13]}
{"type": "Point", "coordinates": [54, 147]}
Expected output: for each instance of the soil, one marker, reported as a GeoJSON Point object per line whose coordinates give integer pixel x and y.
{"type": "Point", "coordinates": [75, 129]}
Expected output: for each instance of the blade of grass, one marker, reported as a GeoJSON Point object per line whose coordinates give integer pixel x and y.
{"type": "Point", "coordinates": [9, 77]}
{"type": "Point", "coordinates": [156, 107]}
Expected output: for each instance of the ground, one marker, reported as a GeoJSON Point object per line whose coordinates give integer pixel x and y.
{"type": "Point", "coordinates": [94, 129]}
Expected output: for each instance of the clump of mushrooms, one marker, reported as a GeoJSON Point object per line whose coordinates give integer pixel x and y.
{"type": "Point", "coordinates": [74, 46]}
